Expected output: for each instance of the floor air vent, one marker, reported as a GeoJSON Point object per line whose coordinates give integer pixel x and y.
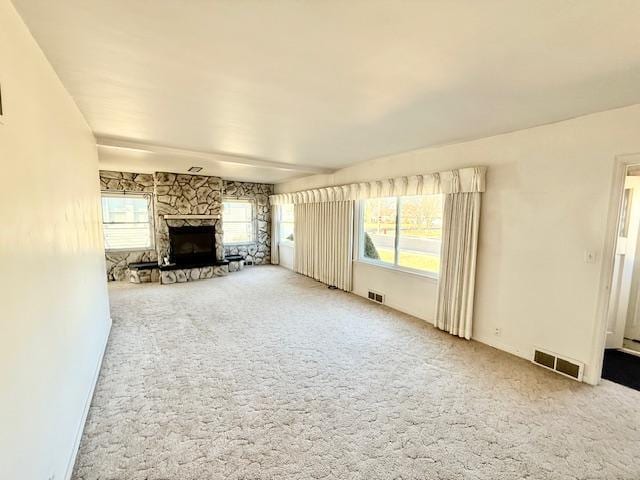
{"type": "Point", "coordinates": [375, 296]}
{"type": "Point", "coordinates": [563, 366]}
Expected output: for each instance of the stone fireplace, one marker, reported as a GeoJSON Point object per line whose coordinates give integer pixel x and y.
{"type": "Point", "coordinates": [188, 196]}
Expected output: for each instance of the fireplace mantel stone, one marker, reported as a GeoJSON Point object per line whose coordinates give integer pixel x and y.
{"type": "Point", "coordinates": [180, 199]}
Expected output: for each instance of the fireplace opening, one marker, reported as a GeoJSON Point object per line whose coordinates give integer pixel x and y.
{"type": "Point", "coordinates": [192, 246]}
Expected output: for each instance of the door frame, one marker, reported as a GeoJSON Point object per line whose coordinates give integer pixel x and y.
{"type": "Point", "coordinates": [608, 258]}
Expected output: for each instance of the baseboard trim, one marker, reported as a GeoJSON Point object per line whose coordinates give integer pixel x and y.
{"type": "Point", "coordinates": [486, 340]}
{"type": "Point", "coordinates": [399, 308]}
{"type": "Point", "coordinates": [87, 405]}
{"type": "Point", "coordinates": [492, 342]}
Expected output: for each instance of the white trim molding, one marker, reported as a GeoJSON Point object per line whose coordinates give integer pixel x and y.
{"type": "Point", "coordinates": [87, 405]}
{"type": "Point", "coordinates": [593, 369]}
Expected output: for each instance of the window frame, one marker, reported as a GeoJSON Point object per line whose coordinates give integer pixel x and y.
{"type": "Point", "coordinates": [253, 221]}
{"type": "Point", "coordinates": [359, 247]}
{"type": "Point", "coordinates": [150, 212]}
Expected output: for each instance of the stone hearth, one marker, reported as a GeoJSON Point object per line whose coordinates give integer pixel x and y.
{"type": "Point", "coordinates": [182, 275]}
{"type": "Point", "coordinates": [144, 276]}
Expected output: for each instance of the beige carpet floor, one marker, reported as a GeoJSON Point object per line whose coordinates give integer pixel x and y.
{"type": "Point", "coordinates": [266, 374]}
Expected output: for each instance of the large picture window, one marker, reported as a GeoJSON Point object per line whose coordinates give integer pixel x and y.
{"type": "Point", "coordinates": [127, 221]}
{"type": "Point", "coordinates": [403, 232]}
{"type": "Point", "coordinates": [238, 222]}
{"type": "Point", "coordinates": [286, 222]}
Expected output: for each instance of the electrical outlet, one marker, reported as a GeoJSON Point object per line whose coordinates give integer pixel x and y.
{"type": "Point", "coordinates": [497, 331]}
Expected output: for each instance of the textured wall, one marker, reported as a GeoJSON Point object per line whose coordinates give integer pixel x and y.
{"type": "Point", "coordinates": [125, 181]}
{"type": "Point", "coordinates": [130, 182]}
{"type": "Point", "coordinates": [259, 252]}
{"type": "Point", "coordinates": [178, 194]}
{"type": "Point", "coordinates": [181, 194]}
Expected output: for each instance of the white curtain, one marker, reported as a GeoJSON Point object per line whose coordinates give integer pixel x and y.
{"type": "Point", "coordinates": [460, 224]}
{"type": "Point", "coordinates": [275, 234]}
{"type": "Point", "coordinates": [324, 236]}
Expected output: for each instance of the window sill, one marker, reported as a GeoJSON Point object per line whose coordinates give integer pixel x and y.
{"type": "Point", "coordinates": [395, 268]}
{"type": "Point", "coordinates": [239, 244]}
{"type": "Point", "coordinates": [286, 243]}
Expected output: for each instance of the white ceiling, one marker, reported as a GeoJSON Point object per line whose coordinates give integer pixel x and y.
{"type": "Point", "coordinates": [329, 83]}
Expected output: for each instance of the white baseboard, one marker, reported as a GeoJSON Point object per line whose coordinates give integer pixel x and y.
{"type": "Point", "coordinates": [493, 342]}
{"type": "Point", "coordinates": [487, 340]}
{"type": "Point", "coordinates": [85, 413]}
{"type": "Point", "coordinates": [399, 308]}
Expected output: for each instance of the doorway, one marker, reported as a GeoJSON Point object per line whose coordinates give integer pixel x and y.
{"type": "Point", "coordinates": [621, 362]}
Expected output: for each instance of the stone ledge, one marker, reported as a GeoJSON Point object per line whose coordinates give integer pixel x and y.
{"type": "Point", "coordinates": [236, 265]}
{"type": "Point", "coordinates": [144, 276]}
{"type": "Point", "coordinates": [174, 266]}
{"type": "Point", "coordinates": [183, 275]}
{"type": "Point", "coordinates": [143, 266]}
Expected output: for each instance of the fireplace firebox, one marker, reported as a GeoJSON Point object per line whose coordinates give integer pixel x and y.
{"type": "Point", "coordinates": [191, 247]}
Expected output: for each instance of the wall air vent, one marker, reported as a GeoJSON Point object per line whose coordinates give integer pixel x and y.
{"type": "Point", "coordinates": [563, 366]}
{"type": "Point", "coordinates": [544, 359]}
{"type": "Point", "coordinates": [571, 369]}
{"type": "Point", "coordinates": [375, 296]}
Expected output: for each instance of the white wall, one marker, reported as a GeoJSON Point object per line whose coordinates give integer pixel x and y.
{"type": "Point", "coordinates": [286, 252]}
{"type": "Point", "coordinates": [547, 200]}
{"type": "Point", "coordinates": [407, 292]}
{"type": "Point", "coordinates": [53, 297]}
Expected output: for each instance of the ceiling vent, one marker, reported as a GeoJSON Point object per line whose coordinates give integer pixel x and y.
{"type": "Point", "coordinates": [563, 366]}
{"type": "Point", "coordinates": [195, 169]}
{"type": "Point", "coordinates": [375, 296]}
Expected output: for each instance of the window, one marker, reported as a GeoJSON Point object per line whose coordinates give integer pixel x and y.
{"type": "Point", "coordinates": [127, 221]}
{"type": "Point", "coordinates": [286, 223]}
{"type": "Point", "coordinates": [403, 232]}
{"type": "Point", "coordinates": [379, 228]}
{"type": "Point", "coordinates": [238, 222]}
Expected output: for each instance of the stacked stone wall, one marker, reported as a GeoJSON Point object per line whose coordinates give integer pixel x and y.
{"type": "Point", "coordinates": [258, 252]}
{"type": "Point", "coordinates": [182, 194]}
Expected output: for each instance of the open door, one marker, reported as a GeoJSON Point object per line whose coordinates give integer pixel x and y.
{"type": "Point", "coordinates": [632, 326]}
{"type": "Point", "coordinates": [620, 292]}
{"type": "Point", "coordinates": [622, 304]}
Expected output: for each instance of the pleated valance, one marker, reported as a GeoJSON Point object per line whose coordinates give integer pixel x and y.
{"type": "Point", "coordinates": [451, 181]}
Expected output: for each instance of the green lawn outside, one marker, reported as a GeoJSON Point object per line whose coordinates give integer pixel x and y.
{"type": "Point", "coordinates": [406, 230]}
{"type": "Point", "coordinates": [418, 261]}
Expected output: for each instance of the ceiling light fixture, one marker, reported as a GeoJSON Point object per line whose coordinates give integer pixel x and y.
{"type": "Point", "coordinates": [195, 169]}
